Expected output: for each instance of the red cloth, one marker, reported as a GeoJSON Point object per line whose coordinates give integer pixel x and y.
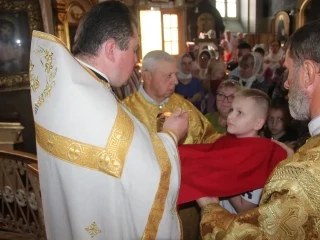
{"type": "Point", "coordinates": [230, 166]}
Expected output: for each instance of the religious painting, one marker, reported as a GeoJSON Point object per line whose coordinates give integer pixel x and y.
{"type": "Point", "coordinates": [14, 42]}
{"type": "Point", "coordinates": [281, 26]}
{"type": "Point", "coordinates": [75, 11]}
{"type": "Point", "coordinates": [17, 20]}
{"type": "Point", "coordinates": [205, 23]}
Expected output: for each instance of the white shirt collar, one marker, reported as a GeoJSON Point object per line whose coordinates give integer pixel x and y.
{"type": "Point", "coordinates": [94, 69]}
{"type": "Point", "coordinates": [149, 99]}
{"type": "Point", "coordinates": [314, 126]}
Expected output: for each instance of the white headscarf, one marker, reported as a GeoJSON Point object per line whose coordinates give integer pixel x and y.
{"type": "Point", "coordinates": [257, 72]}
{"type": "Point", "coordinates": [181, 75]}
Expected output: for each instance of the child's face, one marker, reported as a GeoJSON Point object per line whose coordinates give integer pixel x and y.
{"type": "Point", "coordinates": [246, 69]}
{"type": "Point", "coordinates": [275, 121]}
{"type": "Point", "coordinates": [243, 119]}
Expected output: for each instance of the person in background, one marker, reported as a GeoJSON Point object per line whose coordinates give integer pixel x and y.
{"type": "Point", "coordinates": [195, 69]}
{"type": "Point", "coordinates": [278, 123]}
{"type": "Point", "coordinates": [275, 56]}
{"type": "Point", "coordinates": [204, 57]}
{"type": "Point", "coordinates": [216, 73]}
{"type": "Point", "coordinates": [227, 55]}
{"type": "Point", "coordinates": [240, 38]}
{"type": "Point", "coordinates": [224, 99]}
{"type": "Point", "coordinates": [188, 86]}
{"type": "Point", "coordinates": [233, 66]}
{"type": "Point", "coordinates": [251, 72]}
{"type": "Point", "coordinates": [267, 72]}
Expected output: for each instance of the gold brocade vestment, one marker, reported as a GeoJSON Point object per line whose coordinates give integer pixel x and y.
{"type": "Point", "coordinates": [200, 129]}
{"type": "Point", "coordinates": [289, 208]}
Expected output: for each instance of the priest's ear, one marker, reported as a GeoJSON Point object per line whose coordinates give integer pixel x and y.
{"type": "Point", "coordinates": [146, 76]}
{"type": "Point", "coordinates": [109, 48]}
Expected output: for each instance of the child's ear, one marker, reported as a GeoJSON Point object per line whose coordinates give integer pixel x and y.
{"type": "Point", "coordinates": [259, 124]}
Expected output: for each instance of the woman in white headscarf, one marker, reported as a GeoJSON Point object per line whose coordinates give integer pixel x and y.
{"type": "Point", "coordinates": [251, 72]}
{"type": "Point", "coordinates": [275, 56]}
{"type": "Point", "coordinates": [188, 86]}
{"type": "Point", "coordinates": [204, 57]}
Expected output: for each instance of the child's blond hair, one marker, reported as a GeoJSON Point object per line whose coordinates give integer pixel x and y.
{"type": "Point", "coordinates": [260, 98]}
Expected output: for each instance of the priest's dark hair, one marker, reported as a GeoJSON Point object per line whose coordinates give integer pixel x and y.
{"type": "Point", "coordinates": [304, 44]}
{"type": "Point", "coordinates": [104, 21]}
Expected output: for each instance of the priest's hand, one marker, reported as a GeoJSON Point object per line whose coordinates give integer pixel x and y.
{"type": "Point", "coordinates": [177, 123]}
{"type": "Point", "coordinates": [204, 201]}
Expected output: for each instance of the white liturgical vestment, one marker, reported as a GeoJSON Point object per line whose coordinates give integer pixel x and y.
{"type": "Point", "coordinates": [102, 174]}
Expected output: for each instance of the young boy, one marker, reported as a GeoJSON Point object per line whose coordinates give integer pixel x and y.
{"type": "Point", "coordinates": [236, 163]}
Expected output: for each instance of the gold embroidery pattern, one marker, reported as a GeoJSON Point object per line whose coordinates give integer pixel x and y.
{"type": "Point", "coordinates": [283, 221]}
{"type": "Point", "coordinates": [112, 160]}
{"type": "Point", "coordinates": [286, 173]}
{"type": "Point", "coordinates": [158, 206]}
{"type": "Point", "coordinates": [245, 231]}
{"type": "Point", "coordinates": [93, 230]}
{"type": "Point", "coordinates": [310, 185]}
{"type": "Point", "coordinates": [109, 159]}
{"type": "Point", "coordinates": [34, 80]}
{"type": "Point", "coordinates": [46, 59]}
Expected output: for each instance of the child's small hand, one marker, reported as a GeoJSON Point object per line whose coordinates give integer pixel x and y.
{"type": "Point", "coordinates": [291, 144]}
{"type": "Point", "coordinates": [285, 147]}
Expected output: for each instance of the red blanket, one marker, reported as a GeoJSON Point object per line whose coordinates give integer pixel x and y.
{"type": "Point", "coordinates": [230, 166]}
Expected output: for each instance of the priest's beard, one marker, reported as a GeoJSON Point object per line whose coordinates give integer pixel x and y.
{"type": "Point", "coordinates": [299, 101]}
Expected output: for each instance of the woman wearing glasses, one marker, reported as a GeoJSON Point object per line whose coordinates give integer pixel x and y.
{"type": "Point", "coordinates": [224, 98]}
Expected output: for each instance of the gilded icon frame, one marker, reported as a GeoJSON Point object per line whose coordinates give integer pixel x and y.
{"type": "Point", "coordinates": [21, 14]}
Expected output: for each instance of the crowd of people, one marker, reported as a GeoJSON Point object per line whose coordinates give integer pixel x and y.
{"type": "Point", "coordinates": [227, 142]}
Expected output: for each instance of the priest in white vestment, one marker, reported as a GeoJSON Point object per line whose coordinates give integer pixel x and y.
{"type": "Point", "coordinates": [102, 174]}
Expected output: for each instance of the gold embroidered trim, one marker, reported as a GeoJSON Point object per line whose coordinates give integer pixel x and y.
{"type": "Point", "coordinates": [109, 159]}
{"type": "Point", "coordinates": [48, 37]}
{"type": "Point", "coordinates": [93, 230]}
{"type": "Point", "coordinates": [34, 80]}
{"type": "Point", "coordinates": [158, 206]}
{"type": "Point", "coordinates": [48, 62]}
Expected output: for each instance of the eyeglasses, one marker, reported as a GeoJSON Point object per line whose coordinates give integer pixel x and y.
{"type": "Point", "coordinates": [221, 97]}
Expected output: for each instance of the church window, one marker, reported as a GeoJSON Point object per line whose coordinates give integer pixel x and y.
{"type": "Point", "coordinates": [227, 8]}
{"type": "Point", "coordinates": [160, 31]}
